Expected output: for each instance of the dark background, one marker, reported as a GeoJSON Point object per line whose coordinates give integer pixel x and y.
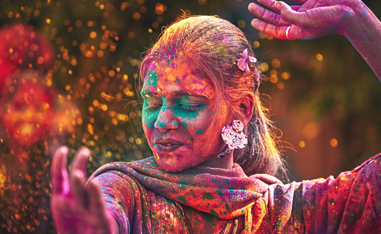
{"type": "Point", "coordinates": [324, 99]}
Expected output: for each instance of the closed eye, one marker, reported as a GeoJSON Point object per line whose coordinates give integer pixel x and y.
{"type": "Point", "coordinates": [191, 107]}
{"type": "Point", "coordinates": [153, 107]}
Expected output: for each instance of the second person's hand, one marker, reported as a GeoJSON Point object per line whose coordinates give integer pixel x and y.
{"type": "Point", "coordinates": [312, 19]}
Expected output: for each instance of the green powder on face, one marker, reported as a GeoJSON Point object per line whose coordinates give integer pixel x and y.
{"type": "Point", "coordinates": [199, 132]}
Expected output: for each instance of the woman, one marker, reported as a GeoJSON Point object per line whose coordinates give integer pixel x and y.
{"type": "Point", "coordinates": [199, 86]}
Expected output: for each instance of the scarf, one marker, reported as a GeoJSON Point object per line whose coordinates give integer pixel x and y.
{"type": "Point", "coordinates": [224, 193]}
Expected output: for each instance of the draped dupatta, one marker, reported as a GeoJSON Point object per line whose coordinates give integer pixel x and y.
{"type": "Point", "coordinates": [223, 193]}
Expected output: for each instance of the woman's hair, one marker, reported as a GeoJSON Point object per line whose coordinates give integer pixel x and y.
{"type": "Point", "coordinates": [211, 47]}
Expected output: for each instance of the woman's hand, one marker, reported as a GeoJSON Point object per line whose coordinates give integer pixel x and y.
{"type": "Point", "coordinates": [77, 207]}
{"type": "Point", "coordinates": [312, 19]}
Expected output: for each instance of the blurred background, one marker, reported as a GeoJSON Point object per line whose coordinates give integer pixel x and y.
{"type": "Point", "coordinates": [68, 73]}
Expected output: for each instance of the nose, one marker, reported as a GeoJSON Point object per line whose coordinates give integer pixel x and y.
{"type": "Point", "coordinates": [166, 119]}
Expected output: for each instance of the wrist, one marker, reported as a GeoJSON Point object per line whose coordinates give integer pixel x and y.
{"type": "Point", "coordinates": [357, 20]}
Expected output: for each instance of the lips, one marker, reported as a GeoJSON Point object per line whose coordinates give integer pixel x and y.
{"type": "Point", "coordinates": [168, 144]}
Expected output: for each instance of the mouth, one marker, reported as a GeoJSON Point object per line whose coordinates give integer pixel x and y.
{"type": "Point", "coordinates": [168, 147]}
{"type": "Point", "coordinates": [168, 144]}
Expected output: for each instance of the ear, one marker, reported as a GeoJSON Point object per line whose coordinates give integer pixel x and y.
{"type": "Point", "coordinates": [246, 106]}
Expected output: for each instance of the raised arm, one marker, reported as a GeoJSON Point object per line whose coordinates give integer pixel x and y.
{"type": "Point", "coordinates": [318, 18]}
{"type": "Point", "coordinates": [76, 207]}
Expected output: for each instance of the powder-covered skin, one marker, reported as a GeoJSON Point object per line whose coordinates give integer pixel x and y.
{"type": "Point", "coordinates": [178, 110]}
{"type": "Point", "coordinates": [145, 199]}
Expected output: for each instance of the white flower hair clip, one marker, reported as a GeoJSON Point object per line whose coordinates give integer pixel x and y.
{"type": "Point", "coordinates": [242, 62]}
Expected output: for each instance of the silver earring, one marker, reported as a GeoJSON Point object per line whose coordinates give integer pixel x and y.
{"type": "Point", "coordinates": [234, 137]}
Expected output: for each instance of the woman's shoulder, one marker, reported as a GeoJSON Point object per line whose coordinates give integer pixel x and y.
{"type": "Point", "coordinates": [370, 163]}
{"type": "Point", "coordinates": [122, 169]}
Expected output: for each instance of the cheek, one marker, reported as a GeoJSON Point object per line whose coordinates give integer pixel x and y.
{"type": "Point", "coordinates": [148, 121]}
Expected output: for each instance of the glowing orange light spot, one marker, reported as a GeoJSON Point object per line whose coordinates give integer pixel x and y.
{"type": "Point", "coordinates": [103, 45]}
{"type": "Point", "coordinates": [319, 57]}
{"type": "Point", "coordinates": [95, 102]}
{"type": "Point", "coordinates": [93, 34]}
{"type": "Point", "coordinates": [78, 23]}
{"type": "Point", "coordinates": [160, 8]}
{"type": "Point", "coordinates": [48, 21]}
{"type": "Point", "coordinates": [333, 142]}
{"type": "Point", "coordinates": [36, 13]}
{"type": "Point", "coordinates": [74, 62]}
{"type": "Point", "coordinates": [155, 25]}
{"type": "Point", "coordinates": [100, 53]}
{"type": "Point", "coordinates": [91, 110]}
{"type": "Point", "coordinates": [111, 73]}
{"type": "Point", "coordinates": [285, 75]}
{"type": "Point", "coordinates": [302, 144]}
{"type": "Point", "coordinates": [136, 15]}
{"type": "Point", "coordinates": [82, 81]}
{"type": "Point", "coordinates": [273, 79]}
{"type": "Point", "coordinates": [275, 63]}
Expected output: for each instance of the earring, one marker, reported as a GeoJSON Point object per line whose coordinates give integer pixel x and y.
{"type": "Point", "coordinates": [234, 137]}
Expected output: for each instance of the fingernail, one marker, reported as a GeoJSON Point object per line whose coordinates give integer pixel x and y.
{"type": "Point", "coordinates": [86, 151]}
{"type": "Point", "coordinates": [64, 149]}
{"type": "Point", "coordinates": [277, 4]}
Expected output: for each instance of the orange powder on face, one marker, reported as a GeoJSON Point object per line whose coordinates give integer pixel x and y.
{"type": "Point", "coordinates": [184, 75]}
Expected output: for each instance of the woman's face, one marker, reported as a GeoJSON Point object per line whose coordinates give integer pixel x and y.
{"type": "Point", "coordinates": [177, 111]}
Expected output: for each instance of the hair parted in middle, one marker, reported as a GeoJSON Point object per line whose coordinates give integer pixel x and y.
{"type": "Point", "coordinates": [212, 47]}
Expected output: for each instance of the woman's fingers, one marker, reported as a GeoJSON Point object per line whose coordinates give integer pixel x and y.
{"type": "Point", "coordinates": [59, 175]}
{"type": "Point", "coordinates": [267, 15]}
{"type": "Point", "coordinates": [270, 29]}
{"type": "Point", "coordinates": [300, 1]}
{"type": "Point", "coordinates": [269, 4]}
{"type": "Point", "coordinates": [97, 205]}
{"type": "Point", "coordinates": [77, 187]}
{"type": "Point", "coordinates": [78, 176]}
{"type": "Point", "coordinates": [290, 15]}
{"type": "Point", "coordinates": [80, 160]}
{"type": "Point", "coordinates": [95, 197]}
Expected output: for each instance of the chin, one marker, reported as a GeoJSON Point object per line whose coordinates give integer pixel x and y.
{"type": "Point", "coordinates": [167, 166]}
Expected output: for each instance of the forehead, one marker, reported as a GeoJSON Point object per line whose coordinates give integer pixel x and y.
{"type": "Point", "coordinates": [166, 76]}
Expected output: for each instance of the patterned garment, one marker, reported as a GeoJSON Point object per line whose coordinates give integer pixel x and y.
{"type": "Point", "coordinates": [145, 199]}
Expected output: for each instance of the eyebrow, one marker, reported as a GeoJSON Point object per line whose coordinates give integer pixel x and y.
{"type": "Point", "coordinates": [176, 93]}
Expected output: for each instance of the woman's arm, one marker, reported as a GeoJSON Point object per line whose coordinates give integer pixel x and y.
{"type": "Point", "coordinates": [348, 204]}
{"type": "Point", "coordinates": [318, 18]}
{"type": "Point", "coordinates": [76, 207]}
